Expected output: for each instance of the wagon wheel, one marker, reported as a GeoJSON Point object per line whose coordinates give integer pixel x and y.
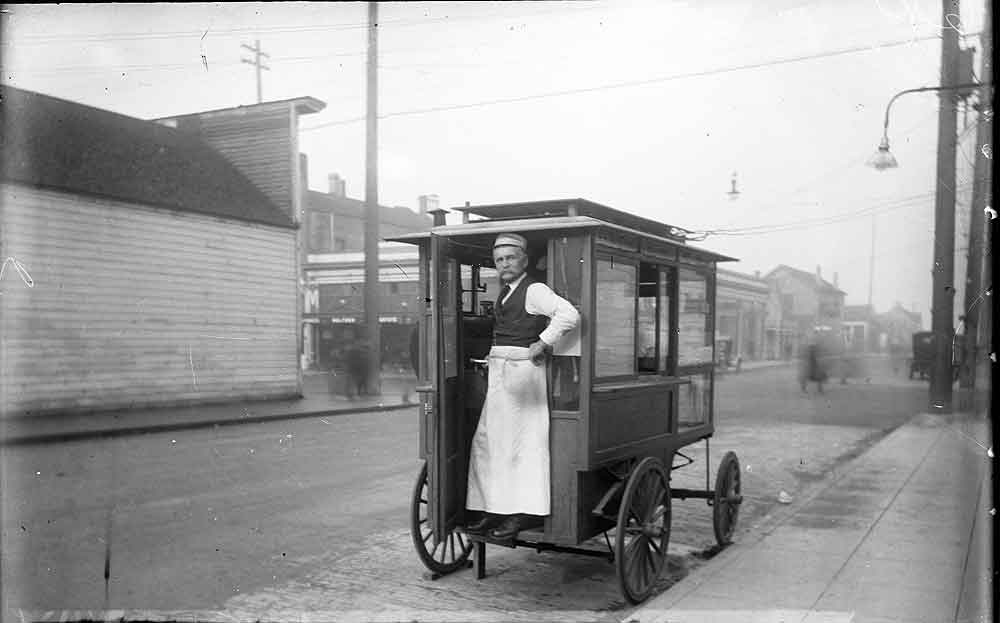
{"type": "Point", "coordinates": [727, 500]}
{"type": "Point", "coordinates": [450, 553]}
{"type": "Point", "coordinates": [643, 530]}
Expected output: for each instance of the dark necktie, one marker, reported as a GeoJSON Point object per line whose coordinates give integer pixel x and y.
{"type": "Point", "coordinates": [503, 294]}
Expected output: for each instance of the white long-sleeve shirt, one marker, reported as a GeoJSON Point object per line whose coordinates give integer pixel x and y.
{"type": "Point", "coordinates": [540, 300]}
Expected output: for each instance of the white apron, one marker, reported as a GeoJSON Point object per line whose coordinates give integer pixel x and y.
{"type": "Point", "coordinates": [509, 463]}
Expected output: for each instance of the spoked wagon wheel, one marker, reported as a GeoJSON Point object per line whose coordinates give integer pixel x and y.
{"type": "Point", "coordinates": [451, 553]}
{"type": "Point", "coordinates": [643, 530]}
{"type": "Point", "coordinates": [727, 500]}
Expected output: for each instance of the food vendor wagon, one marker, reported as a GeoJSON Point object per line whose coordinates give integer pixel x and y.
{"type": "Point", "coordinates": [630, 388]}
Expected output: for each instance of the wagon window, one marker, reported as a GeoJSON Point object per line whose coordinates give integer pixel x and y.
{"type": "Point", "coordinates": [567, 268]}
{"type": "Point", "coordinates": [449, 316]}
{"type": "Point", "coordinates": [666, 335]}
{"type": "Point", "coordinates": [488, 278]}
{"type": "Point", "coordinates": [695, 401]}
{"type": "Point", "coordinates": [616, 305]}
{"type": "Point", "coordinates": [566, 279]}
{"type": "Point", "coordinates": [694, 317]}
{"type": "Point", "coordinates": [646, 348]}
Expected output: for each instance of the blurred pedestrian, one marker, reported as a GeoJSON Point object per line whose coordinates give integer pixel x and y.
{"type": "Point", "coordinates": [356, 362]}
{"type": "Point", "coordinates": [811, 366]}
{"type": "Point", "coordinates": [897, 357]}
{"type": "Point", "coordinates": [414, 363]}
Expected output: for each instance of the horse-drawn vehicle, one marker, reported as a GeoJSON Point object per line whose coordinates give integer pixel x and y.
{"type": "Point", "coordinates": [630, 388]}
{"type": "Point", "coordinates": [922, 362]}
{"type": "Point", "coordinates": [923, 354]}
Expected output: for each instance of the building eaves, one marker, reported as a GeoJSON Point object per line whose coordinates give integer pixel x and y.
{"type": "Point", "coordinates": [59, 144]}
{"type": "Point", "coordinates": [303, 106]}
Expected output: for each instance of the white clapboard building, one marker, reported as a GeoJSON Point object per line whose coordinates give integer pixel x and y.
{"type": "Point", "coordinates": [142, 267]}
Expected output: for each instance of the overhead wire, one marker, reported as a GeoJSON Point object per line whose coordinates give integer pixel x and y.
{"type": "Point", "coordinates": [835, 219]}
{"type": "Point", "coordinates": [851, 162]}
{"type": "Point", "coordinates": [45, 39]}
{"type": "Point", "coordinates": [822, 221]}
{"type": "Point", "coordinates": [622, 84]}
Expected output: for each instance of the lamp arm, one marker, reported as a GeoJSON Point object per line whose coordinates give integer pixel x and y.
{"type": "Point", "coordinates": [957, 87]}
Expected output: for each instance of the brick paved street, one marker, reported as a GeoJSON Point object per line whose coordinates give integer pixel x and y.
{"type": "Point", "coordinates": [277, 519]}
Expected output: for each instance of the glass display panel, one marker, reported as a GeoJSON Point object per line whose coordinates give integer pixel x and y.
{"type": "Point", "coordinates": [646, 347]}
{"type": "Point", "coordinates": [694, 401]}
{"type": "Point", "coordinates": [466, 288]}
{"type": "Point", "coordinates": [566, 279]}
{"type": "Point", "coordinates": [488, 277]}
{"type": "Point", "coordinates": [694, 316]}
{"type": "Point", "coordinates": [566, 383]}
{"type": "Point", "coordinates": [426, 344]}
{"type": "Point", "coordinates": [449, 317]}
{"type": "Point", "coordinates": [567, 269]}
{"type": "Point", "coordinates": [615, 318]}
{"type": "Point", "coordinates": [666, 305]}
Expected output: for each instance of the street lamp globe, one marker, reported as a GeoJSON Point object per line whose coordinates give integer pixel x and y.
{"type": "Point", "coordinates": [882, 159]}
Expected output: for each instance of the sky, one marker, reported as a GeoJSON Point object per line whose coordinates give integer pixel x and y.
{"type": "Point", "coordinates": [648, 107]}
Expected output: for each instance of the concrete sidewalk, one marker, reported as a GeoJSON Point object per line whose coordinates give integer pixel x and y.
{"type": "Point", "coordinates": [317, 401]}
{"type": "Point", "coordinates": [903, 534]}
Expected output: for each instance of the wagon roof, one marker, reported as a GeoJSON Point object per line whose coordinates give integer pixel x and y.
{"type": "Point", "coordinates": [549, 223]}
{"type": "Point", "coordinates": [572, 207]}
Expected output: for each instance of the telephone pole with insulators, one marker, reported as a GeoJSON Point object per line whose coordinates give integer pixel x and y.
{"type": "Point", "coordinates": [257, 63]}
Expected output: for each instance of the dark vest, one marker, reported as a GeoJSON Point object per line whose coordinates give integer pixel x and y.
{"type": "Point", "coordinates": [514, 325]}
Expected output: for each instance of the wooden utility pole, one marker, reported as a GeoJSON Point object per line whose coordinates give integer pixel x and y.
{"type": "Point", "coordinates": [943, 272]}
{"type": "Point", "coordinates": [977, 304]}
{"type": "Point", "coordinates": [871, 269]}
{"type": "Point", "coordinates": [258, 63]}
{"type": "Point", "coordinates": [371, 298]}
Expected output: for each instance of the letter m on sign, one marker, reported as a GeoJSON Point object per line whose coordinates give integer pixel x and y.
{"type": "Point", "coordinates": [311, 300]}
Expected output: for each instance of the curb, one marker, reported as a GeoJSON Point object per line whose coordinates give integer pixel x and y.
{"type": "Point", "coordinates": [124, 431]}
{"type": "Point", "coordinates": [751, 535]}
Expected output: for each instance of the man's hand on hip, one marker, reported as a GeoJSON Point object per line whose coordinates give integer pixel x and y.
{"type": "Point", "coordinates": [538, 351]}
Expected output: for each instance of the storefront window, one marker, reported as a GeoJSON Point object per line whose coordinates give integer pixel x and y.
{"type": "Point", "coordinates": [694, 319]}
{"type": "Point", "coordinates": [616, 308]}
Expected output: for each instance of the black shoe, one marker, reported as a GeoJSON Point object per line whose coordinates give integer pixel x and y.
{"type": "Point", "coordinates": [480, 526]}
{"type": "Point", "coordinates": [508, 529]}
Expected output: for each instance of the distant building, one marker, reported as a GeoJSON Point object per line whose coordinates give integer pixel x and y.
{"type": "Point", "coordinates": [335, 222]}
{"type": "Point", "coordinates": [334, 276]}
{"type": "Point", "coordinates": [335, 306]}
{"type": "Point", "coordinates": [862, 329]}
{"type": "Point", "coordinates": [740, 310]}
{"type": "Point", "coordinates": [899, 325]}
{"type": "Point", "coordinates": [161, 273]}
{"type": "Point", "coordinates": [801, 303]}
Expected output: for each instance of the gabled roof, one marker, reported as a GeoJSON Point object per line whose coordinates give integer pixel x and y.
{"type": "Point", "coordinates": [898, 309]}
{"type": "Point", "coordinates": [399, 216]}
{"type": "Point", "coordinates": [859, 312]}
{"type": "Point", "coordinates": [804, 276]}
{"type": "Point", "coordinates": [64, 145]}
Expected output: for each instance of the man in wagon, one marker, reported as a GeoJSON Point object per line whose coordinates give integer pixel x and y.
{"type": "Point", "coordinates": [509, 462]}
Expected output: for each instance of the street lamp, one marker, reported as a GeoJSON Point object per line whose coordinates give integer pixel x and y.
{"type": "Point", "coordinates": [883, 159]}
{"type": "Point", "coordinates": [944, 218]}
